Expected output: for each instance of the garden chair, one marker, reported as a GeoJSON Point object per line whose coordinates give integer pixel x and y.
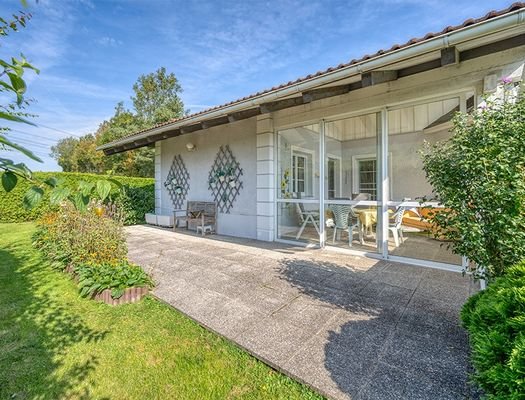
{"type": "Point", "coordinates": [346, 220]}
{"type": "Point", "coordinates": [395, 225]}
{"type": "Point", "coordinates": [305, 218]}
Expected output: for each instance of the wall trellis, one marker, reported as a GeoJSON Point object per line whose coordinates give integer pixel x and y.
{"type": "Point", "coordinates": [224, 179]}
{"type": "Point", "coordinates": [177, 182]}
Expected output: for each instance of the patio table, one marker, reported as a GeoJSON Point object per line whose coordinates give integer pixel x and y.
{"type": "Point", "coordinates": [368, 217]}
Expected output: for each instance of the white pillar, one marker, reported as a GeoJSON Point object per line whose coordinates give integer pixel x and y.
{"type": "Point", "coordinates": [265, 179]}
{"type": "Point", "coordinates": [158, 179]}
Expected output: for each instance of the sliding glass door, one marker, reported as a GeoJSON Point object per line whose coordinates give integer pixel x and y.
{"type": "Point", "coordinates": [411, 202]}
{"type": "Point", "coordinates": [298, 172]}
{"type": "Point", "coordinates": [351, 190]}
{"type": "Point", "coordinates": [358, 182]}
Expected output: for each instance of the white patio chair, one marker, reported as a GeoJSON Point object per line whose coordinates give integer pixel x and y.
{"type": "Point", "coordinates": [305, 218]}
{"type": "Point", "coordinates": [395, 225]}
{"type": "Point", "coordinates": [346, 220]}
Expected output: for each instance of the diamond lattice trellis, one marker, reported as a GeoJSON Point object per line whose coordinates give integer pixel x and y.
{"type": "Point", "coordinates": [224, 179]}
{"type": "Point", "coordinates": [177, 183]}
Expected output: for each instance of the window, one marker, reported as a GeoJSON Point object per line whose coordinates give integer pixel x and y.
{"type": "Point", "coordinates": [299, 173]}
{"type": "Point", "coordinates": [302, 174]}
{"type": "Point", "coordinates": [367, 175]}
{"type": "Point", "coordinates": [333, 173]}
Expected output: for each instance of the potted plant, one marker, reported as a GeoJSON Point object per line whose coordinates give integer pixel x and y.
{"type": "Point", "coordinates": [212, 182]}
{"type": "Point", "coordinates": [178, 189]}
{"type": "Point", "coordinates": [221, 176]}
{"type": "Point", "coordinates": [229, 174]}
{"type": "Point", "coordinates": [232, 183]}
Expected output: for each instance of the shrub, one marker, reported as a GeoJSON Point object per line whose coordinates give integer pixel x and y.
{"type": "Point", "coordinates": [93, 279]}
{"type": "Point", "coordinates": [92, 246]}
{"type": "Point", "coordinates": [478, 176]}
{"type": "Point", "coordinates": [495, 320]}
{"type": "Point", "coordinates": [136, 197]}
{"type": "Point", "coordinates": [70, 237]}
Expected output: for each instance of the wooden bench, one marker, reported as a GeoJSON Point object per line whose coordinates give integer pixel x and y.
{"type": "Point", "coordinates": [199, 215]}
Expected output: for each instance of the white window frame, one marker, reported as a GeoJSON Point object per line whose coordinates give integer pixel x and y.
{"type": "Point", "coordinates": [309, 184]}
{"type": "Point", "coordinates": [339, 183]}
{"type": "Point", "coordinates": [355, 169]}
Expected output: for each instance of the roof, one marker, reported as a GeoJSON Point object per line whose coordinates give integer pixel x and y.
{"type": "Point", "coordinates": [380, 53]}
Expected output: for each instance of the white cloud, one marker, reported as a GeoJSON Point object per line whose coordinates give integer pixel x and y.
{"type": "Point", "coordinates": [77, 87]}
{"type": "Point", "coordinates": [109, 41]}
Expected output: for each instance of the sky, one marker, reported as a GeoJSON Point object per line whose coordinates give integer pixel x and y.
{"type": "Point", "coordinates": [90, 52]}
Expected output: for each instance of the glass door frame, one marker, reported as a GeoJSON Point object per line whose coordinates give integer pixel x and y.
{"type": "Point", "coordinates": [383, 181]}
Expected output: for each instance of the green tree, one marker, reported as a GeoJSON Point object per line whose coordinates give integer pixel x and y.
{"type": "Point", "coordinates": [63, 152]}
{"type": "Point", "coordinates": [157, 98]}
{"type": "Point", "coordinates": [139, 162]}
{"type": "Point", "coordinates": [479, 177]}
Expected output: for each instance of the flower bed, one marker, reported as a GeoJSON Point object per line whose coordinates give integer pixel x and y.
{"type": "Point", "coordinates": [90, 245]}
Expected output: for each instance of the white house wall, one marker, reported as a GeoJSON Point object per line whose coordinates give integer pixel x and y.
{"type": "Point", "coordinates": [241, 137]}
{"type": "Point", "coordinates": [252, 141]}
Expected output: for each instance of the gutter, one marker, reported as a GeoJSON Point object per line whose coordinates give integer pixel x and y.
{"type": "Point", "coordinates": [497, 24]}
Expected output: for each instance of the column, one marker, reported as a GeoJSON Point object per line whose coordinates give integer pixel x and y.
{"type": "Point", "coordinates": [158, 179]}
{"type": "Point", "coordinates": [265, 179]}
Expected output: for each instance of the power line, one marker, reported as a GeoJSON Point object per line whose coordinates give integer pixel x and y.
{"type": "Point", "coordinates": [59, 130]}
{"type": "Point", "coordinates": [54, 140]}
{"type": "Point", "coordinates": [31, 143]}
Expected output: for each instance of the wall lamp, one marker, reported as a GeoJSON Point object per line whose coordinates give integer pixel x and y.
{"type": "Point", "coordinates": [190, 146]}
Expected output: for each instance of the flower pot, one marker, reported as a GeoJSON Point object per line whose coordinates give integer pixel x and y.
{"type": "Point", "coordinates": [232, 184]}
{"type": "Point", "coordinates": [221, 178]}
{"type": "Point", "coordinates": [213, 185]}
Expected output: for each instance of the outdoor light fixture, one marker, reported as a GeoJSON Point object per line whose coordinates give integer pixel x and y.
{"type": "Point", "coordinates": [190, 146]}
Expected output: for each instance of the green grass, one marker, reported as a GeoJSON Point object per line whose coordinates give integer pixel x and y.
{"type": "Point", "coordinates": [56, 345]}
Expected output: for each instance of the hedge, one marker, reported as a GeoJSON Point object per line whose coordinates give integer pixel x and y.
{"type": "Point", "coordinates": [136, 198]}
{"type": "Point", "coordinates": [495, 320]}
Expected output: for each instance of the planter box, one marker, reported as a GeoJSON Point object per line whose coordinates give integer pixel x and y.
{"type": "Point", "coordinates": [165, 220]}
{"type": "Point", "coordinates": [151, 219]}
{"type": "Point", "coordinates": [131, 295]}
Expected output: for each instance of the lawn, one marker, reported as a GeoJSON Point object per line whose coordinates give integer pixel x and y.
{"type": "Point", "coordinates": [55, 344]}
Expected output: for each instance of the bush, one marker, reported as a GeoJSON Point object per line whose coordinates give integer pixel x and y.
{"type": "Point", "coordinates": [478, 176]}
{"type": "Point", "coordinates": [93, 279]}
{"type": "Point", "coordinates": [495, 320]}
{"type": "Point", "coordinates": [91, 246]}
{"type": "Point", "coordinates": [70, 237]}
{"type": "Point", "coordinates": [135, 199]}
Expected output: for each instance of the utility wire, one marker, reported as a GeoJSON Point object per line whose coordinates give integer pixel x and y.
{"type": "Point", "coordinates": [59, 130]}
{"type": "Point", "coordinates": [53, 140]}
{"type": "Point", "coordinates": [31, 143]}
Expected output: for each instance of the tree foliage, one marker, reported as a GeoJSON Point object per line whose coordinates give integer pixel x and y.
{"type": "Point", "coordinates": [13, 89]}
{"type": "Point", "coordinates": [479, 177]}
{"type": "Point", "coordinates": [156, 100]}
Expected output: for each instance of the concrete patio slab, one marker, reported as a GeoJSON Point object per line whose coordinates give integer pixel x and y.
{"type": "Point", "coordinates": [348, 326]}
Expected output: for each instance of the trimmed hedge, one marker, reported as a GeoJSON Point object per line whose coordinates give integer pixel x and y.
{"type": "Point", "coordinates": [136, 199]}
{"type": "Point", "coordinates": [495, 320]}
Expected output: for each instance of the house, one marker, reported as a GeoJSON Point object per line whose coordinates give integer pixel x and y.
{"type": "Point", "coordinates": [331, 159]}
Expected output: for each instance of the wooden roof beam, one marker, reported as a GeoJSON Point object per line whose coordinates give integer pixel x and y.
{"type": "Point", "coordinates": [281, 104]}
{"type": "Point", "coordinates": [323, 93]}
{"type": "Point", "coordinates": [237, 116]}
{"type": "Point", "coordinates": [215, 122]}
{"type": "Point", "coordinates": [372, 78]}
{"type": "Point", "coordinates": [191, 128]}
{"type": "Point", "coordinates": [449, 56]}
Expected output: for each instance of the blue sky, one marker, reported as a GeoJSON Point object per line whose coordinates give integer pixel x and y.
{"type": "Point", "coordinates": [91, 52]}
